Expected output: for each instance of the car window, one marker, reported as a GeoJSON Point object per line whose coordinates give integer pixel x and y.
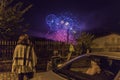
{"type": "Point", "coordinates": [117, 77]}
{"type": "Point", "coordinates": [115, 66]}
{"type": "Point", "coordinates": [75, 70]}
{"type": "Point", "coordinates": [80, 65]}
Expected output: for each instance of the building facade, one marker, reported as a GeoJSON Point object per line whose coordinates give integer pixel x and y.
{"type": "Point", "coordinates": [109, 43]}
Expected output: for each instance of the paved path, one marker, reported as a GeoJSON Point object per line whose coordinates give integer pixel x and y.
{"type": "Point", "coordinates": [11, 76]}
{"type": "Point", "coordinates": [8, 76]}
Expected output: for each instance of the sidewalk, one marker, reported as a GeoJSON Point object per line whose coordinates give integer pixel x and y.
{"type": "Point", "coordinates": [11, 76]}
{"type": "Point", "coordinates": [8, 76]}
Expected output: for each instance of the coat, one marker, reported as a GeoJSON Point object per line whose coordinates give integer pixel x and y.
{"type": "Point", "coordinates": [24, 59]}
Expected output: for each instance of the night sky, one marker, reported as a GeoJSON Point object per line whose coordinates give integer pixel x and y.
{"type": "Point", "coordinates": [96, 16]}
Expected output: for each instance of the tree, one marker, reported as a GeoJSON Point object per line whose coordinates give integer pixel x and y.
{"type": "Point", "coordinates": [11, 18]}
{"type": "Point", "coordinates": [84, 42]}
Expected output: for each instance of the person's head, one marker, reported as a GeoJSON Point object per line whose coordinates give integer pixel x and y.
{"type": "Point", "coordinates": [23, 39]}
{"type": "Point", "coordinates": [96, 67]}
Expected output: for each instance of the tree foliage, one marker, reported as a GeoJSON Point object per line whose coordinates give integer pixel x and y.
{"type": "Point", "coordinates": [84, 42]}
{"type": "Point", "coordinates": [11, 18]}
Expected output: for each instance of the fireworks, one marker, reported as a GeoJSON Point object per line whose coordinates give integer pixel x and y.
{"type": "Point", "coordinates": [61, 23]}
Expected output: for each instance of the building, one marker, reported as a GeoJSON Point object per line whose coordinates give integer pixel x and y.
{"type": "Point", "coordinates": [108, 43]}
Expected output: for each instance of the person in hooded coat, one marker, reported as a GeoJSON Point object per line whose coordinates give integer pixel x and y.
{"type": "Point", "coordinates": [24, 58]}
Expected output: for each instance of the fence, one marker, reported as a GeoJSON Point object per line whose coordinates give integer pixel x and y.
{"type": "Point", "coordinates": [44, 50]}
{"type": "Point", "coordinates": [6, 49]}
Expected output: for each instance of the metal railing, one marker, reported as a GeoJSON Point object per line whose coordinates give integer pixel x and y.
{"type": "Point", "coordinates": [44, 50]}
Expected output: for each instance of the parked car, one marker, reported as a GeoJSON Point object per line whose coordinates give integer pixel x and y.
{"type": "Point", "coordinates": [78, 68]}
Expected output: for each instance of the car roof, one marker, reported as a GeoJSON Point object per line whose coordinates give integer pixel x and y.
{"type": "Point", "coordinates": [113, 55]}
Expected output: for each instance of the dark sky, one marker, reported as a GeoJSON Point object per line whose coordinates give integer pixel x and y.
{"type": "Point", "coordinates": [98, 16]}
